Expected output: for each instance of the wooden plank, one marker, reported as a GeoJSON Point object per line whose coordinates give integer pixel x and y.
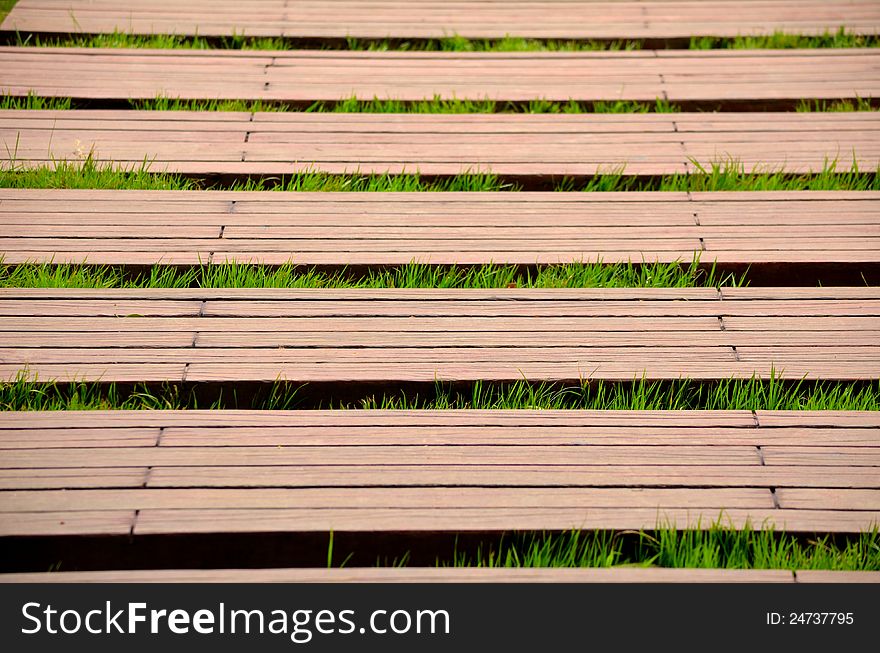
{"type": "Point", "coordinates": [436, 575]}
{"type": "Point", "coordinates": [304, 471]}
{"type": "Point", "coordinates": [399, 418]}
{"type": "Point", "coordinates": [415, 335]}
{"type": "Point", "coordinates": [369, 498]}
{"type": "Point", "coordinates": [501, 519]}
{"type": "Point", "coordinates": [657, 19]}
{"type": "Point", "coordinates": [304, 76]}
{"type": "Point", "coordinates": [329, 228]}
{"type": "Point", "coordinates": [83, 522]}
{"type": "Point", "coordinates": [824, 576]}
{"type": "Point", "coordinates": [516, 144]}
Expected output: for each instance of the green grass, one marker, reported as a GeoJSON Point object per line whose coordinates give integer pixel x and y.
{"type": "Point", "coordinates": [718, 547]}
{"type": "Point", "coordinates": [30, 393]}
{"type": "Point", "coordinates": [5, 7]}
{"type": "Point", "coordinates": [438, 105]}
{"type": "Point", "coordinates": [859, 104]}
{"type": "Point", "coordinates": [435, 104]}
{"type": "Point", "coordinates": [355, 105]}
{"type": "Point", "coordinates": [721, 175]}
{"type": "Point", "coordinates": [784, 41]}
{"type": "Point", "coordinates": [377, 105]}
{"type": "Point", "coordinates": [89, 173]}
{"type": "Point", "coordinates": [731, 175]}
{"type": "Point", "coordinates": [119, 39]}
{"type": "Point", "coordinates": [729, 394]}
{"type": "Point", "coordinates": [838, 39]}
{"type": "Point", "coordinates": [35, 102]}
{"type": "Point", "coordinates": [163, 103]}
{"type": "Point", "coordinates": [413, 275]}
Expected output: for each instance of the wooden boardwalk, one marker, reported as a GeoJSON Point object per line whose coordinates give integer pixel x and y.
{"type": "Point", "coordinates": [506, 144]}
{"type": "Point", "coordinates": [427, 335]}
{"type": "Point", "coordinates": [116, 489]}
{"type": "Point", "coordinates": [315, 19]}
{"type": "Point", "coordinates": [375, 229]}
{"type": "Point", "coordinates": [749, 76]}
{"type": "Point", "coordinates": [165, 472]}
{"type": "Point", "coordinates": [448, 575]}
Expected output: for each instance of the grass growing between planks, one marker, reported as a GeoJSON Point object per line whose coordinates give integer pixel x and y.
{"type": "Point", "coordinates": [29, 393]}
{"type": "Point", "coordinates": [413, 275]}
{"type": "Point", "coordinates": [784, 41]}
{"type": "Point", "coordinates": [720, 175]}
{"type": "Point", "coordinates": [718, 547]}
{"type": "Point", "coordinates": [859, 104]}
{"type": "Point", "coordinates": [434, 105]}
{"type": "Point", "coordinates": [778, 40]}
{"type": "Point", "coordinates": [438, 105]}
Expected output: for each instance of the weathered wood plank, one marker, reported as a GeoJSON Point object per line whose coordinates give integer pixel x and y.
{"type": "Point", "coordinates": [436, 575]}
{"type": "Point", "coordinates": [330, 228]}
{"type": "Point", "coordinates": [519, 144]}
{"type": "Point", "coordinates": [657, 19]}
{"type": "Point", "coordinates": [204, 471]}
{"type": "Point", "coordinates": [306, 76]}
{"type": "Point", "coordinates": [415, 335]}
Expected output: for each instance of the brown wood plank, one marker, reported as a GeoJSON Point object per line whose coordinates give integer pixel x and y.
{"type": "Point", "coordinates": [438, 575]}
{"type": "Point", "coordinates": [252, 471]}
{"type": "Point", "coordinates": [521, 144]}
{"type": "Point", "coordinates": [823, 576]}
{"type": "Point", "coordinates": [301, 76]}
{"type": "Point", "coordinates": [399, 19]}
{"type": "Point", "coordinates": [406, 335]}
{"type": "Point", "coordinates": [84, 522]}
{"type": "Point", "coordinates": [397, 418]}
{"type": "Point", "coordinates": [405, 498]}
{"type": "Point", "coordinates": [506, 519]}
{"type": "Point", "coordinates": [329, 228]}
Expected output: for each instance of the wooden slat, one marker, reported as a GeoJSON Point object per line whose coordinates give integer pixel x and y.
{"type": "Point", "coordinates": [428, 335]}
{"type": "Point", "coordinates": [159, 472]}
{"type": "Point", "coordinates": [456, 575]}
{"type": "Point", "coordinates": [439, 575]}
{"type": "Point", "coordinates": [125, 227]}
{"type": "Point", "coordinates": [823, 576]}
{"type": "Point", "coordinates": [509, 144]}
{"type": "Point", "coordinates": [655, 19]}
{"type": "Point", "coordinates": [305, 76]}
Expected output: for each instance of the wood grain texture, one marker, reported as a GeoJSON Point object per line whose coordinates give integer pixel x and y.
{"type": "Point", "coordinates": [322, 335]}
{"type": "Point", "coordinates": [308, 75]}
{"type": "Point", "coordinates": [202, 471]}
{"type": "Point", "coordinates": [435, 575]}
{"type": "Point", "coordinates": [440, 144]}
{"type": "Point", "coordinates": [129, 227]}
{"type": "Point", "coordinates": [653, 19]}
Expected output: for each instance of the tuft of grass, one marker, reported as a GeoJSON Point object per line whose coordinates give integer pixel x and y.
{"type": "Point", "coordinates": [27, 392]}
{"type": "Point", "coordinates": [455, 43]}
{"type": "Point", "coordinates": [785, 41]}
{"type": "Point", "coordinates": [118, 39]}
{"type": "Point", "coordinates": [32, 102]}
{"type": "Point", "coordinates": [859, 104]}
{"type": "Point", "coordinates": [730, 394]}
{"type": "Point", "coordinates": [436, 104]}
{"type": "Point", "coordinates": [163, 103]}
{"type": "Point", "coordinates": [90, 173]}
{"type": "Point", "coordinates": [722, 174]}
{"type": "Point", "coordinates": [731, 175]}
{"type": "Point", "coordinates": [413, 275]}
{"type": "Point", "coordinates": [718, 547]}
{"type": "Point", "coordinates": [440, 105]}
